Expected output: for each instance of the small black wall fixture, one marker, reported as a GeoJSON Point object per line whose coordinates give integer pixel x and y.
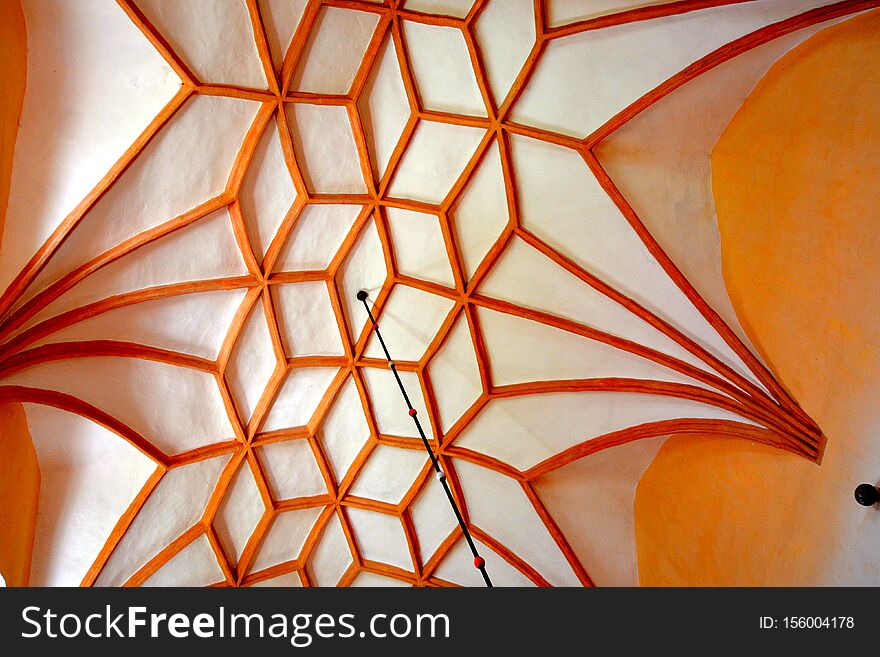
{"type": "Point", "coordinates": [867, 494]}
{"type": "Point", "coordinates": [479, 562]}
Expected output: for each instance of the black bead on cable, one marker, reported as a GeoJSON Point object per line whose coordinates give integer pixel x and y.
{"type": "Point", "coordinates": [479, 562]}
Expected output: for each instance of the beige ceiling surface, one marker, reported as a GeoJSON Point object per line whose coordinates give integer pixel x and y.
{"type": "Point", "coordinates": [208, 402]}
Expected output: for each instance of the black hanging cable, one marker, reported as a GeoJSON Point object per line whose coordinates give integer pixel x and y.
{"type": "Point", "coordinates": [479, 562]}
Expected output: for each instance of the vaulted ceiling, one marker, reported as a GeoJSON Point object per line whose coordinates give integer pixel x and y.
{"type": "Point", "coordinates": [209, 403]}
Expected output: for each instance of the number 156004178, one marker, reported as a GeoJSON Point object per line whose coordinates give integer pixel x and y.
{"type": "Point", "coordinates": [808, 623]}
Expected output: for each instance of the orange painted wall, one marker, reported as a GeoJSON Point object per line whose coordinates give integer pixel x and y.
{"type": "Point", "coordinates": [796, 179]}
{"type": "Point", "coordinates": [19, 492]}
{"type": "Point", "coordinates": [19, 471]}
{"type": "Point", "coordinates": [13, 76]}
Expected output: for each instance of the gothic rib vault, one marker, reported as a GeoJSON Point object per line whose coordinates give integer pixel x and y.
{"type": "Point", "coordinates": [194, 317]}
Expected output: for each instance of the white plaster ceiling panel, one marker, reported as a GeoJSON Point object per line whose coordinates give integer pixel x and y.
{"type": "Point", "coordinates": [94, 83]}
{"type": "Point", "coordinates": [325, 68]}
{"type": "Point", "coordinates": [299, 396]}
{"type": "Point", "coordinates": [188, 323]}
{"type": "Point", "coordinates": [291, 470]}
{"type": "Point", "coordinates": [526, 277]}
{"type": "Point", "coordinates": [593, 75]}
{"type": "Point", "coordinates": [458, 567]}
{"type": "Point", "coordinates": [251, 363]}
{"type": "Point", "coordinates": [519, 351]}
{"type": "Point", "coordinates": [559, 197]}
{"type": "Point", "coordinates": [239, 512]}
{"type": "Point", "coordinates": [285, 537]}
{"type": "Point", "coordinates": [86, 484]}
{"type": "Point", "coordinates": [419, 248]}
{"type": "Point", "coordinates": [442, 68]}
{"type": "Point", "coordinates": [316, 236]}
{"type": "Point", "coordinates": [434, 160]}
{"type": "Point", "coordinates": [481, 212]}
{"type": "Point", "coordinates": [306, 319]}
{"type": "Point", "coordinates": [380, 537]}
{"type": "Point", "coordinates": [174, 506]}
{"type": "Point", "coordinates": [281, 18]}
{"type": "Point", "coordinates": [505, 31]}
{"type": "Point", "coordinates": [203, 250]}
{"type": "Point", "coordinates": [388, 406]}
{"type": "Point", "coordinates": [562, 12]}
{"type": "Point", "coordinates": [384, 107]}
{"type": "Point", "coordinates": [288, 580]}
{"type": "Point", "coordinates": [206, 133]}
{"type": "Point", "coordinates": [194, 565]}
{"type": "Point", "coordinates": [389, 473]}
{"type": "Point", "coordinates": [167, 421]}
{"type": "Point", "coordinates": [267, 191]}
{"type": "Point", "coordinates": [364, 269]}
{"type": "Point", "coordinates": [498, 505]}
{"type": "Point", "coordinates": [192, 28]}
{"type": "Point", "coordinates": [332, 556]}
{"type": "Point", "coordinates": [563, 204]}
{"type": "Point", "coordinates": [457, 8]}
{"type": "Point", "coordinates": [410, 320]}
{"type": "Point", "coordinates": [523, 431]}
{"type": "Point", "coordinates": [432, 518]}
{"type": "Point", "coordinates": [325, 148]}
{"type": "Point", "coordinates": [601, 527]}
{"type": "Point", "coordinates": [366, 579]}
{"type": "Point", "coordinates": [455, 374]}
{"type": "Point", "coordinates": [345, 429]}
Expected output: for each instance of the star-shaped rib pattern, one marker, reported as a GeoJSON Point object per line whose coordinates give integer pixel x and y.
{"type": "Point", "coordinates": [407, 161]}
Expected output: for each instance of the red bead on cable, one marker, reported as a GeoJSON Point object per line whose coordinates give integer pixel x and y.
{"type": "Point", "coordinates": [412, 412]}
{"type": "Point", "coordinates": [479, 562]}
{"type": "Point", "coordinates": [375, 326]}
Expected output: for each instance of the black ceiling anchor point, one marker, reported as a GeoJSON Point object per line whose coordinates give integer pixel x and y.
{"type": "Point", "coordinates": [867, 494]}
{"type": "Point", "coordinates": [362, 295]}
